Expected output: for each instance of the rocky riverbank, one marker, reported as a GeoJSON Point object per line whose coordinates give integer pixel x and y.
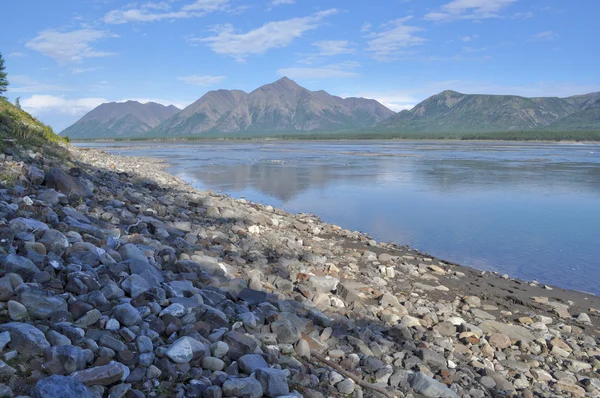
{"type": "Point", "coordinates": [120, 280]}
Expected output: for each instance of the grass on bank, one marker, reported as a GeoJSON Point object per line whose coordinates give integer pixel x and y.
{"type": "Point", "coordinates": [19, 128]}
{"type": "Point", "coordinates": [524, 135]}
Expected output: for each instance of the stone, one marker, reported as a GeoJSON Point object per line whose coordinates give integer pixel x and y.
{"type": "Point", "coordinates": [213, 364]}
{"type": "Point", "coordinates": [127, 315]}
{"type": "Point", "coordinates": [41, 304]}
{"type": "Point", "coordinates": [243, 388]}
{"type": "Point", "coordinates": [153, 372]}
{"type": "Point", "coordinates": [219, 349]}
{"type": "Point", "coordinates": [514, 332]}
{"type": "Point", "coordinates": [184, 349]}
{"type": "Point", "coordinates": [100, 375]}
{"type": "Point", "coordinates": [239, 344]}
{"type": "Point", "coordinates": [432, 358]}
{"type": "Point", "coordinates": [71, 358]}
{"type": "Point", "coordinates": [273, 382]}
{"type": "Point", "coordinates": [499, 340]}
{"type": "Point", "coordinates": [473, 301]}
{"type": "Point", "coordinates": [323, 284]}
{"type": "Point", "coordinates": [410, 321]}
{"type": "Point", "coordinates": [303, 349]}
{"type": "Point", "coordinates": [286, 331]}
{"type": "Point", "coordinates": [135, 286]}
{"type": "Point", "coordinates": [61, 181]}
{"type": "Point", "coordinates": [60, 387]}
{"type": "Point", "coordinates": [26, 339]}
{"type": "Point", "coordinates": [17, 311]}
{"type": "Point", "coordinates": [175, 309]}
{"type": "Point", "coordinates": [252, 297]}
{"type": "Point", "coordinates": [20, 265]}
{"type": "Point", "coordinates": [429, 387]}
{"type": "Point", "coordinates": [346, 386]}
{"type": "Point", "coordinates": [584, 318]}
{"type": "Point", "coordinates": [22, 224]}
{"type": "Point", "coordinates": [54, 241]}
{"type": "Point", "coordinates": [251, 362]}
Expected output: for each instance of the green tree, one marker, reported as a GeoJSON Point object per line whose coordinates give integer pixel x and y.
{"type": "Point", "coordinates": [18, 102]}
{"type": "Point", "coordinates": [3, 81]}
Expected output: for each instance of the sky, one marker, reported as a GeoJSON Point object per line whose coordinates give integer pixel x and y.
{"type": "Point", "coordinates": [63, 58]}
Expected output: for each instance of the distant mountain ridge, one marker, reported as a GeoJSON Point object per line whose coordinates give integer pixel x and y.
{"type": "Point", "coordinates": [450, 111]}
{"type": "Point", "coordinates": [282, 106]}
{"type": "Point", "coordinates": [120, 119]}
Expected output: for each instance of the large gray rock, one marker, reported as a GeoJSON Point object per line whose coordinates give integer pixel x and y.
{"type": "Point", "coordinates": [135, 286]}
{"type": "Point", "coordinates": [60, 387]}
{"type": "Point", "coordinates": [273, 382]}
{"type": "Point", "coordinates": [143, 268]}
{"type": "Point", "coordinates": [26, 339]}
{"type": "Point", "coordinates": [430, 387]}
{"type": "Point", "coordinates": [514, 332]}
{"type": "Point", "coordinates": [323, 284]}
{"type": "Point", "coordinates": [286, 331]}
{"type": "Point", "coordinates": [184, 349]}
{"type": "Point", "coordinates": [22, 224]}
{"type": "Point", "coordinates": [127, 314]}
{"type": "Point", "coordinates": [70, 358]}
{"type": "Point", "coordinates": [35, 175]}
{"type": "Point", "coordinates": [250, 362]}
{"type": "Point", "coordinates": [54, 241]}
{"type": "Point", "coordinates": [19, 265]}
{"type": "Point", "coordinates": [100, 375]}
{"type": "Point", "coordinates": [41, 304]}
{"type": "Point", "coordinates": [243, 388]}
{"type": "Point", "coordinates": [63, 182]}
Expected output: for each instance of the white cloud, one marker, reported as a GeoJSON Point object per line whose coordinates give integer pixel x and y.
{"type": "Point", "coordinates": [258, 41]}
{"type": "Point", "coordinates": [201, 80]}
{"type": "Point", "coordinates": [469, 9]}
{"type": "Point", "coordinates": [207, 5]}
{"type": "Point", "coordinates": [394, 100]}
{"type": "Point", "coordinates": [469, 38]}
{"type": "Point", "coordinates": [366, 27]}
{"type": "Point", "coordinates": [280, 2]}
{"type": "Point", "coordinates": [343, 69]}
{"type": "Point", "coordinates": [523, 15]}
{"type": "Point", "coordinates": [334, 47]}
{"type": "Point", "coordinates": [83, 70]}
{"type": "Point", "coordinates": [40, 104]}
{"type": "Point", "coordinates": [150, 12]}
{"type": "Point", "coordinates": [71, 46]}
{"type": "Point", "coordinates": [391, 42]}
{"type": "Point", "coordinates": [25, 84]}
{"type": "Point", "coordinates": [545, 36]}
{"type": "Point", "coordinates": [16, 54]}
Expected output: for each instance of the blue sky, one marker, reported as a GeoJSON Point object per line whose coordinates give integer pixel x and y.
{"type": "Point", "coordinates": [66, 57]}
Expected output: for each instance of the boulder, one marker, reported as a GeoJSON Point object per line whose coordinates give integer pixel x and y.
{"type": "Point", "coordinates": [62, 181]}
{"type": "Point", "coordinates": [26, 339]}
{"type": "Point", "coordinates": [60, 387]}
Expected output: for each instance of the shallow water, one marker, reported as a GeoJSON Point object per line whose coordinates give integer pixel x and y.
{"type": "Point", "coordinates": [529, 210]}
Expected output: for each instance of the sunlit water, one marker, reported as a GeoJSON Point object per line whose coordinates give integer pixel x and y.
{"type": "Point", "coordinates": [529, 210]}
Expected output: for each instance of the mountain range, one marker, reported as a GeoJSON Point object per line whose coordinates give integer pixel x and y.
{"type": "Point", "coordinates": [285, 107]}
{"type": "Point", "coordinates": [120, 119]}
{"type": "Point", "coordinates": [450, 111]}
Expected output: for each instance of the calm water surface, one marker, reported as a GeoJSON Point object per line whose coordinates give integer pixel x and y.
{"type": "Point", "coordinates": [529, 210]}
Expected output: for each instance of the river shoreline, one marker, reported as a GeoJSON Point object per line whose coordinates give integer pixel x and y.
{"type": "Point", "coordinates": [120, 279]}
{"type": "Point", "coordinates": [504, 289]}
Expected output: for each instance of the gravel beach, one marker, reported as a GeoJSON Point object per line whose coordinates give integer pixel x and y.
{"type": "Point", "coordinates": [121, 280]}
